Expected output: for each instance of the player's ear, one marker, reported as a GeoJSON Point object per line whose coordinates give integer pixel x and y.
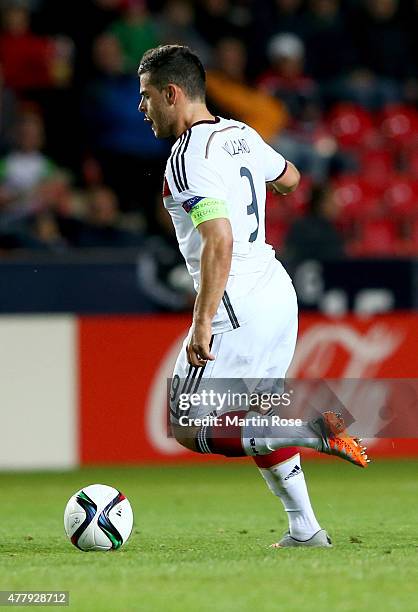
{"type": "Point", "coordinates": [171, 94]}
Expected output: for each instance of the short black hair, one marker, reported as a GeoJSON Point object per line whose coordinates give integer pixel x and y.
{"type": "Point", "coordinates": [175, 64]}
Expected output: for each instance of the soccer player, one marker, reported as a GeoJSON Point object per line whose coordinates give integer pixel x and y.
{"type": "Point", "coordinates": [245, 314]}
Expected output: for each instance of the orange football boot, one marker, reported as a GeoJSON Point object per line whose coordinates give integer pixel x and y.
{"type": "Point", "coordinates": [335, 440]}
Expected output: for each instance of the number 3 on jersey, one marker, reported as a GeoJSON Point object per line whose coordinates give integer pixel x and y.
{"type": "Point", "coordinates": [252, 209]}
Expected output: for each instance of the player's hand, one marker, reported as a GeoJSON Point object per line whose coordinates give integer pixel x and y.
{"type": "Point", "coordinates": [198, 351]}
{"type": "Point", "coordinates": [272, 187]}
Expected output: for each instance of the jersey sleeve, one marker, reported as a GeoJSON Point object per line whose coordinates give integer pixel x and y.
{"type": "Point", "coordinates": [273, 163]}
{"type": "Point", "coordinates": [198, 186]}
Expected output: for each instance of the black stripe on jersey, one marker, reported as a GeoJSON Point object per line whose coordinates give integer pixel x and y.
{"type": "Point", "coordinates": [231, 314]}
{"type": "Point", "coordinates": [175, 153]}
{"type": "Point", "coordinates": [187, 378]}
{"type": "Point", "coordinates": [192, 380]}
{"type": "Point", "coordinates": [188, 383]}
{"type": "Point", "coordinates": [183, 162]}
{"type": "Point", "coordinates": [202, 369]}
{"type": "Point", "coordinates": [175, 412]}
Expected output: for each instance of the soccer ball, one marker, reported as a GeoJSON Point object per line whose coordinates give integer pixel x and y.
{"type": "Point", "coordinates": [98, 517]}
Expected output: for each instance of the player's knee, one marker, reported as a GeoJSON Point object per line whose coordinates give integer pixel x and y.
{"type": "Point", "coordinates": [186, 436]}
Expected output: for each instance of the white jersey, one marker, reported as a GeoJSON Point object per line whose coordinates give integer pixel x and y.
{"type": "Point", "coordinates": [225, 160]}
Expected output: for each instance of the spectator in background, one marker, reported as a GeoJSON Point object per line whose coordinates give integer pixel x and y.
{"type": "Point", "coordinates": [282, 16]}
{"type": "Point", "coordinates": [303, 140]}
{"type": "Point", "coordinates": [314, 236]}
{"type": "Point", "coordinates": [81, 20]}
{"type": "Point", "coordinates": [25, 168]}
{"type": "Point", "coordinates": [102, 226]}
{"type": "Point", "coordinates": [136, 32]}
{"type": "Point", "coordinates": [383, 58]}
{"type": "Point", "coordinates": [44, 228]}
{"type": "Point", "coordinates": [8, 113]}
{"type": "Point", "coordinates": [176, 26]}
{"type": "Point", "coordinates": [228, 90]}
{"type": "Point", "coordinates": [38, 228]}
{"type": "Point", "coordinates": [329, 47]}
{"type": "Point", "coordinates": [39, 233]}
{"type": "Point", "coordinates": [132, 160]}
{"type": "Point", "coordinates": [308, 73]}
{"type": "Point", "coordinates": [213, 20]}
{"type": "Point", "coordinates": [30, 61]}
{"type": "Point", "coordinates": [286, 79]}
{"type": "Point", "coordinates": [55, 226]}
{"type": "Point", "coordinates": [271, 18]}
{"type": "Point", "coordinates": [382, 43]}
{"type": "Point", "coordinates": [39, 69]}
{"type": "Point", "coordinates": [411, 20]}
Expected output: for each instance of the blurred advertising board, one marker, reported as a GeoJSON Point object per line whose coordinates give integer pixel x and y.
{"type": "Point", "coordinates": [125, 364]}
{"type": "Point", "coordinates": [93, 389]}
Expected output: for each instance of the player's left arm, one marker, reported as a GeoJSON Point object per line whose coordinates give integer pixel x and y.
{"type": "Point", "coordinates": [282, 177]}
{"type": "Point", "coordinates": [287, 182]}
{"type": "Point", "coordinates": [215, 264]}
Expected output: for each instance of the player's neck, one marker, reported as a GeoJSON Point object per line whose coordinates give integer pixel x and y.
{"type": "Point", "coordinates": [192, 114]}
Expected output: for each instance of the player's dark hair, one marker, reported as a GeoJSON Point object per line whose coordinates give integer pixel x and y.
{"type": "Point", "coordinates": [175, 64]}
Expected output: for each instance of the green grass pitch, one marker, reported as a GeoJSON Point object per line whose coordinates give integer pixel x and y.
{"type": "Point", "coordinates": [201, 536]}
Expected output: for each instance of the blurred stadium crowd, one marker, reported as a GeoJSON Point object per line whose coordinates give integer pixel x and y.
{"type": "Point", "coordinates": [332, 84]}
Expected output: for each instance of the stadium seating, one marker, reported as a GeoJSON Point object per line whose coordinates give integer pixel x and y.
{"type": "Point", "coordinates": [355, 197]}
{"type": "Point", "coordinates": [377, 237]}
{"type": "Point", "coordinates": [401, 196]}
{"type": "Point", "coordinates": [351, 125]}
{"type": "Point", "coordinates": [399, 125]}
{"type": "Point", "coordinates": [376, 168]}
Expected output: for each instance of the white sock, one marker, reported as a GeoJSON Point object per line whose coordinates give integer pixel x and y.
{"type": "Point", "coordinates": [287, 481]}
{"type": "Point", "coordinates": [262, 439]}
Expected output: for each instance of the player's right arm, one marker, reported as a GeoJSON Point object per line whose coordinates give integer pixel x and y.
{"type": "Point", "coordinates": [204, 199]}
{"type": "Point", "coordinates": [215, 265]}
{"type": "Point", "coordinates": [287, 182]}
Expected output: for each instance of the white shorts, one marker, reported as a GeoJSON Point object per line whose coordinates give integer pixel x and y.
{"type": "Point", "coordinates": [258, 351]}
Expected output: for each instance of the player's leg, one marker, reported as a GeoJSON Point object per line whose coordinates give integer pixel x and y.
{"type": "Point", "coordinates": [236, 436]}
{"type": "Point", "coordinates": [235, 354]}
{"type": "Point", "coordinates": [284, 477]}
{"type": "Point", "coordinates": [184, 380]}
{"type": "Point", "coordinates": [237, 358]}
{"type": "Point", "coordinates": [228, 369]}
{"type": "Point", "coordinates": [282, 469]}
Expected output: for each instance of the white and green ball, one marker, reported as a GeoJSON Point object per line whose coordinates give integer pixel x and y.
{"type": "Point", "coordinates": [98, 517]}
